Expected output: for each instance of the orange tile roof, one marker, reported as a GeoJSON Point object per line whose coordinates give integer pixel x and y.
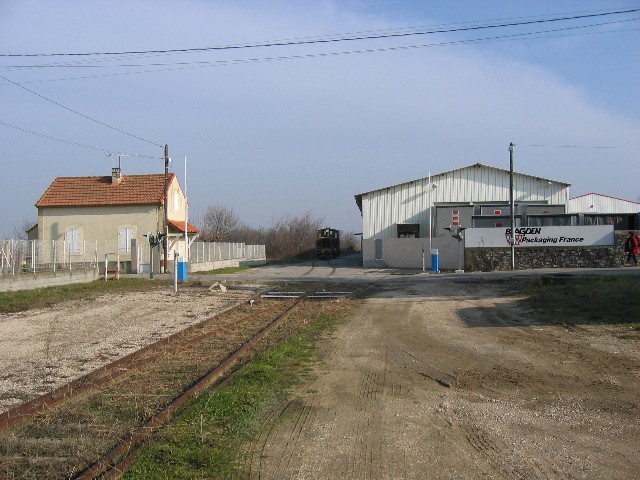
{"type": "Point", "coordinates": [179, 225]}
{"type": "Point", "coordinates": [100, 192]}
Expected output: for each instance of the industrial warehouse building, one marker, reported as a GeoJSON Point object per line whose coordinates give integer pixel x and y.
{"type": "Point", "coordinates": [402, 225]}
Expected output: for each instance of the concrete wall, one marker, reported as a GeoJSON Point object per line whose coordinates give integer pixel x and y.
{"type": "Point", "coordinates": [207, 266]}
{"type": "Point", "coordinates": [407, 253]}
{"type": "Point", "coordinates": [30, 281]}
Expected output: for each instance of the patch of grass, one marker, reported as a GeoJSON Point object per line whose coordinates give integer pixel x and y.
{"type": "Point", "coordinates": [586, 299]}
{"type": "Point", "coordinates": [46, 297]}
{"type": "Point", "coordinates": [206, 440]}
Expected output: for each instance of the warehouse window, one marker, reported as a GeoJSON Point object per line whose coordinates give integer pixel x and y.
{"type": "Point", "coordinates": [408, 230]}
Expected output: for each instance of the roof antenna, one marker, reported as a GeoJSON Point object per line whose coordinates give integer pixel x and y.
{"type": "Point", "coordinates": [121, 154]}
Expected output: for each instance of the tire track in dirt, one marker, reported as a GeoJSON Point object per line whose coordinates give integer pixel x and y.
{"type": "Point", "coordinates": [367, 434]}
{"type": "Point", "coordinates": [455, 380]}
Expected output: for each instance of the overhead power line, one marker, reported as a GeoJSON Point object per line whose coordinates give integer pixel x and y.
{"type": "Point", "coordinates": [80, 114]}
{"type": "Point", "coordinates": [576, 146]}
{"type": "Point", "coordinates": [553, 33]}
{"type": "Point", "coordinates": [351, 38]}
{"type": "Point", "coordinates": [535, 34]}
{"type": "Point", "coordinates": [108, 151]}
{"type": "Point", "coordinates": [62, 140]}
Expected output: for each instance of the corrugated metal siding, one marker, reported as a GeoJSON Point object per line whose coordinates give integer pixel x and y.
{"type": "Point", "coordinates": [595, 203]}
{"type": "Point", "coordinates": [409, 202]}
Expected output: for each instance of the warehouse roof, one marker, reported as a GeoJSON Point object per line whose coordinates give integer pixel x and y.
{"type": "Point", "coordinates": [438, 176]}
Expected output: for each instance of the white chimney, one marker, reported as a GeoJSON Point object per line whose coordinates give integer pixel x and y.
{"type": "Point", "coordinates": [115, 176]}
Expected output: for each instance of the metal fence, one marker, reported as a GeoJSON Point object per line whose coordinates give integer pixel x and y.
{"type": "Point", "coordinates": [201, 252]}
{"type": "Point", "coordinates": [33, 256]}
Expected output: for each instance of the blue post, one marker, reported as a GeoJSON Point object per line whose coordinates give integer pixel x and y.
{"type": "Point", "coordinates": [435, 263]}
{"type": "Point", "coordinates": [182, 269]}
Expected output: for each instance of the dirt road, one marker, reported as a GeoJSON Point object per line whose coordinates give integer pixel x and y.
{"type": "Point", "coordinates": [450, 379]}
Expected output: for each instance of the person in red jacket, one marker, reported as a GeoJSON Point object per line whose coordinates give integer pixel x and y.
{"type": "Point", "coordinates": [632, 248]}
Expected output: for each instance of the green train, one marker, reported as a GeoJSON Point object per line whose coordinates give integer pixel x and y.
{"type": "Point", "coordinates": [328, 243]}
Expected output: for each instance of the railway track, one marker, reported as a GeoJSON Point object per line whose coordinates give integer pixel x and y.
{"type": "Point", "coordinates": [66, 433]}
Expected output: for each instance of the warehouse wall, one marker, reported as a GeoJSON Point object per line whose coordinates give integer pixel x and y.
{"type": "Point", "coordinates": [407, 253]}
{"type": "Point", "coordinates": [409, 202]}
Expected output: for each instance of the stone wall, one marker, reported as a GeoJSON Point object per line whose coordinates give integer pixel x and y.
{"type": "Point", "coordinates": [490, 259]}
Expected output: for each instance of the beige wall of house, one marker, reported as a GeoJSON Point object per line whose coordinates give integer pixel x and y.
{"type": "Point", "coordinates": [112, 227]}
{"type": "Point", "coordinates": [176, 202]}
{"type": "Point", "coordinates": [177, 211]}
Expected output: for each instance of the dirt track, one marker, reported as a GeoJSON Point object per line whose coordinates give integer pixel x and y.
{"type": "Point", "coordinates": [449, 379]}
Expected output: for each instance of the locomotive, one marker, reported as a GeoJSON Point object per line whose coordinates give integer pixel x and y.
{"type": "Point", "coordinates": [328, 243]}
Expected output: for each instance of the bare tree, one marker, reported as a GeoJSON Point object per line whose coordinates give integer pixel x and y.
{"type": "Point", "coordinates": [292, 236]}
{"type": "Point", "coordinates": [249, 235]}
{"type": "Point", "coordinates": [20, 230]}
{"type": "Point", "coordinates": [219, 223]}
{"type": "Point", "coordinates": [349, 243]}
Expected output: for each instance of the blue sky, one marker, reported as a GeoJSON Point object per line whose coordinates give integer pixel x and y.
{"type": "Point", "coordinates": [284, 130]}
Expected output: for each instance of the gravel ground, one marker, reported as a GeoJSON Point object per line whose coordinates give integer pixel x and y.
{"type": "Point", "coordinates": [41, 350]}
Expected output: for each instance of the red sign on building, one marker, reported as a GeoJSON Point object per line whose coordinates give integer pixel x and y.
{"type": "Point", "coordinates": [455, 217]}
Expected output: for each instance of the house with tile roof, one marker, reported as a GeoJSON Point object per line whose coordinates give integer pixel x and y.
{"type": "Point", "coordinates": [119, 212]}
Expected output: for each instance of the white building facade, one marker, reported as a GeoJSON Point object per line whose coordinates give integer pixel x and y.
{"type": "Point", "coordinates": [410, 225]}
{"type": "Point", "coordinates": [597, 203]}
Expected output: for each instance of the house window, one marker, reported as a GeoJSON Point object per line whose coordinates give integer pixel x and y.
{"type": "Point", "coordinates": [74, 240]}
{"type": "Point", "coordinates": [125, 234]}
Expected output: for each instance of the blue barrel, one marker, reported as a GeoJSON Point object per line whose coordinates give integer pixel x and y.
{"type": "Point", "coordinates": [182, 269]}
{"type": "Point", "coordinates": [435, 262]}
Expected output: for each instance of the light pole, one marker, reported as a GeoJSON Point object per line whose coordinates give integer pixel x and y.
{"type": "Point", "coordinates": [512, 205]}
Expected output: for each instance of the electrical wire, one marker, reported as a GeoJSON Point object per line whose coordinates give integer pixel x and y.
{"type": "Point", "coordinates": [69, 142]}
{"type": "Point", "coordinates": [219, 63]}
{"type": "Point", "coordinates": [453, 42]}
{"type": "Point", "coordinates": [80, 114]}
{"type": "Point", "coordinates": [333, 40]}
{"type": "Point", "coordinates": [304, 41]}
{"type": "Point", "coordinates": [108, 151]}
{"type": "Point", "coordinates": [574, 146]}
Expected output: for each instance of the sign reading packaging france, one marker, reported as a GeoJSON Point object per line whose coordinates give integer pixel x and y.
{"type": "Point", "coordinates": [582, 236]}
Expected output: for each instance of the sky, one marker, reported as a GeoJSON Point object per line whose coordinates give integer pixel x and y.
{"type": "Point", "coordinates": [318, 100]}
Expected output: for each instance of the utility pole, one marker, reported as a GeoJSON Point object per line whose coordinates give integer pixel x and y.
{"type": "Point", "coordinates": [512, 205]}
{"type": "Point", "coordinates": [166, 207]}
{"type": "Point", "coordinates": [186, 214]}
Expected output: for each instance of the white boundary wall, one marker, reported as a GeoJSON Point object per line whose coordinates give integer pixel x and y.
{"type": "Point", "coordinates": [408, 253]}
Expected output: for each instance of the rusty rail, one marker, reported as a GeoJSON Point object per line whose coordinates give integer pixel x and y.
{"type": "Point", "coordinates": [102, 375]}
{"type": "Point", "coordinates": [113, 464]}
